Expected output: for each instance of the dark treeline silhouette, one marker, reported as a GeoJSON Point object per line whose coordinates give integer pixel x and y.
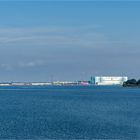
{"type": "Point", "coordinates": [132, 83]}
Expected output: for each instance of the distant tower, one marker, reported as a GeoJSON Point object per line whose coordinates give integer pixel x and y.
{"type": "Point", "coordinates": [92, 80]}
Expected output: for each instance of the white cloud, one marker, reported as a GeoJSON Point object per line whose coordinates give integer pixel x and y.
{"type": "Point", "coordinates": [20, 65]}
{"type": "Point", "coordinates": [7, 67]}
{"type": "Point", "coordinates": [88, 36]}
{"type": "Point", "coordinates": [51, 36]}
{"type": "Point", "coordinates": [30, 64]}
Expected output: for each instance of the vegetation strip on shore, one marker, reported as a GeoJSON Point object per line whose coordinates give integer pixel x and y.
{"type": "Point", "coordinates": [132, 83]}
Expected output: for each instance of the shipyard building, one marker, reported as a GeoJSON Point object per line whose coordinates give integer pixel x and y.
{"type": "Point", "coordinates": [108, 80]}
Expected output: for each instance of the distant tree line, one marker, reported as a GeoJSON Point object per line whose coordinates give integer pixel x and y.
{"type": "Point", "coordinates": [132, 83]}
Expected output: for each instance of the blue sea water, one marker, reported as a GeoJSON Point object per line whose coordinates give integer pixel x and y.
{"type": "Point", "coordinates": [62, 112]}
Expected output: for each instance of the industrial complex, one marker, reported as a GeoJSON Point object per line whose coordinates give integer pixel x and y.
{"type": "Point", "coordinates": [108, 80]}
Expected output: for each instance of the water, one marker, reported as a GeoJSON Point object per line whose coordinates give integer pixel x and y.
{"type": "Point", "coordinates": [69, 112]}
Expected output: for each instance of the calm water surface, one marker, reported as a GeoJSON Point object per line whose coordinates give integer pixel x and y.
{"type": "Point", "coordinates": [69, 113]}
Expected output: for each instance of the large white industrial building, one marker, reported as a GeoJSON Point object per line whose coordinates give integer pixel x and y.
{"type": "Point", "coordinates": [108, 80]}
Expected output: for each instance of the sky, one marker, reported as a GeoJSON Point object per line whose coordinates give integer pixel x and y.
{"type": "Point", "coordinates": [68, 40]}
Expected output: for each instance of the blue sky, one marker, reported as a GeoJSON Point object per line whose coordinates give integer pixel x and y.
{"type": "Point", "coordinates": [68, 40]}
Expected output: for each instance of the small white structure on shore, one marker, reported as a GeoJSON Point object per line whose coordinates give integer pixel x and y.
{"type": "Point", "coordinates": [108, 80]}
{"type": "Point", "coordinates": [41, 83]}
